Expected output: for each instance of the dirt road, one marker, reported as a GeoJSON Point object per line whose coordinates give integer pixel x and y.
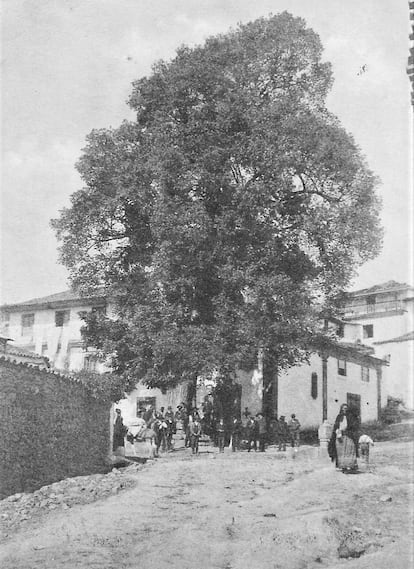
{"type": "Point", "coordinates": [235, 511]}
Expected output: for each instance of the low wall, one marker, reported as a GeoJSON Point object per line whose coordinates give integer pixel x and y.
{"type": "Point", "coordinates": [50, 428]}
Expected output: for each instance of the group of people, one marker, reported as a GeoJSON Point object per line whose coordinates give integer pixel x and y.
{"type": "Point", "coordinates": [155, 428]}
{"type": "Point", "coordinates": [253, 432]}
{"type": "Point", "coordinates": [259, 432]}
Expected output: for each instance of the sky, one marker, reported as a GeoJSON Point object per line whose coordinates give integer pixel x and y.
{"type": "Point", "coordinates": [67, 68]}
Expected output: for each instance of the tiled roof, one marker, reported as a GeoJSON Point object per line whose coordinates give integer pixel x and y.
{"type": "Point", "coordinates": [361, 348]}
{"type": "Point", "coordinates": [383, 287]}
{"type": "Point", "coordinates": [65, 296]}
{"type": "Point", "coordinates": [403, 338]}
{"type": "Point", "coordinates": [11, 352]}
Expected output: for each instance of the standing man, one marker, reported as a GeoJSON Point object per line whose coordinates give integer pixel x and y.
{"type": "Point", "coordinates": [283, 433]}
{"type": "Point", "coordinates": [262, 431]}
{"type": "Point", "coordinates": [195, 434]}
{"type": "Point", "coordinates": [252, 433]}
{"type": "Point", "coordinates": [293, 427]}
{"type": "Point", "coordinates": [220, 435]}
{"type": "Point", "coordinates": [237, 429]}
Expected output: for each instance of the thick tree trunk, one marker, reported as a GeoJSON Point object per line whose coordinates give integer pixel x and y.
{"type": "Point", "coordinates": [270, 386]}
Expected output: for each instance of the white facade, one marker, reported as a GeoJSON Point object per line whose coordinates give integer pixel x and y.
{"type": "Point", "coordinates": [384, 314]}
{"type": "Point", "coordinates": [51, 327]}
{"type": "Point", "coordinates": [400, 378]}
{"type": "Point", "coordinates": [300, 389]}
{"type": "Point", "coordinates": [143, 396]}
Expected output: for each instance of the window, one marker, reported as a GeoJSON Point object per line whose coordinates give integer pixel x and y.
{"type": "Point", "coordinates": [341, 367]}
{"type": "Point", "coordinates": [90, 363]}
{"type": "Point", "coordinates": [365, 373]}
{"type": "Point", "coordinates": [353, 401]}
{"type": "Point", "coordinates": [99, 310]}
{"type": "Point", "coordinates": [5, 322]}
{"type": "Point", "coordinates": [27, 324]}
{"type": "Point", "coordinates": [314, 385]}
{"type": "Point", "coordinates": [340, 331]}
{"type": "Point", "coordinates": [371, 300]}
{"type": "Point", "coordinates": [144, 403]}
{"type": "Point", "coordinates": [368, 331]}
{"type": "Point", "coordinates": [61, 318]}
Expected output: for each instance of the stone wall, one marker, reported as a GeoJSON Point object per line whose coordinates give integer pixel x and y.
{"type": "Point", "coordinates": [50, 428]}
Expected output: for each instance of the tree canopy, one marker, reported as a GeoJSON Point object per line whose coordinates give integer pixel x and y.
{"type": "Point", "coordinates": [227, 214]}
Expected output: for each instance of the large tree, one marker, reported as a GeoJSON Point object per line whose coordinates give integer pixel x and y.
{"type": "Point", "coordinates": [227, 214]}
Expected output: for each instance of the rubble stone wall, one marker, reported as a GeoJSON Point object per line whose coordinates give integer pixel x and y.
{"type": "Point", "coordinates": [50, 428]}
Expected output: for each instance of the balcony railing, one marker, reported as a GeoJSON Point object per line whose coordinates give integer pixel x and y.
{"type": "Point", "coordinates": [376, 308]}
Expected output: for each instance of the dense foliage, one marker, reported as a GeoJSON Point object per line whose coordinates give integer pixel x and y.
{"type": "Point", "coordinates": [50, 428]}
{"type": "Point", "coordinates": [227, 214]}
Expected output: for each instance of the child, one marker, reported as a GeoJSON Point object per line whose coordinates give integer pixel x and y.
{"type": "Point", "coordinates": [364, 443]}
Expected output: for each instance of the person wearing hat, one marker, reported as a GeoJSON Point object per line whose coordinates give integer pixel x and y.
{"type": "Point", "coordinates": [294, 427]}
{"type": "Point", "coordinates": [178, 413]}
{"type": "Point", "coordinates": [195, 434]}
{"type": "Point", "coordinates": [283, 433]}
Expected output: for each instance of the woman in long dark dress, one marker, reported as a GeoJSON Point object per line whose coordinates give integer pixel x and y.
{"type": "Point", "coordinates": [343, 446]}
{"type": "Point", "coordinates": [120, 431]}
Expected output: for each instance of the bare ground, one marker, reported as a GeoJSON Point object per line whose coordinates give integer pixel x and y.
{"type": "Point", "coordinates": [233, 511]}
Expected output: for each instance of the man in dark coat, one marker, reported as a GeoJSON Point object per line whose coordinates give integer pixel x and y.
{"type": "Point", "coordinates": [283, 433]}
{"type": "Point", "coordinates": [262, 431]}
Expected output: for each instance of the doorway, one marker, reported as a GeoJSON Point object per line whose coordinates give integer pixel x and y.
{"type": "Point", "coordinates": [353, 401]}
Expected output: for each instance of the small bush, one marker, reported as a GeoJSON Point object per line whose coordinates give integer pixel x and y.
{"type": "Point", "coordinates": [391, 413]}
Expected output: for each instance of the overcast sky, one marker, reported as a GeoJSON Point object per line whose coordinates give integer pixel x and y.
{"type": "Point", "coordinates": [68, 65]}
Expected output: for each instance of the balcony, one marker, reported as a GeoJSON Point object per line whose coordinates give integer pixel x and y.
{"type": "Point", "coordinates": [368, 309]}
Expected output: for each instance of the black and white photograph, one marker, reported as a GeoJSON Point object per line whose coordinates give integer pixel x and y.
{"type": "Point", "coordinates": [207, 284]}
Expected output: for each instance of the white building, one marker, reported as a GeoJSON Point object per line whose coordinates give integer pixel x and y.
{"type": "Point", "coordinates": [382, 317]}
{"type": "Point", "coordinates": [315, 390]}
{"type": "Point", "coordinates": [51, 327]}
{"type": "Point", "coordinates": [377, 319]}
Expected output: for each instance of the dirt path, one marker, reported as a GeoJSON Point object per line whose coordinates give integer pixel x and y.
{"type": "Point", "coordinates": [235, 511]}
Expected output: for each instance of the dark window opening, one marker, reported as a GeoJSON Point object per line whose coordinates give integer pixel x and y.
{"type": "Point", "coordinates": [365, 373]}
{"type": "Point", "coordinates": [5, 319]}
{"type": "Point", "coordinates": [371, 300]}
{"type": "Point", "coordinates": [90, 363]}
{"type": "Point", "coordinates": [314, 385]}
{"type": "Point", "coordinates": [27, 324]}
{"type": "Point", "coordinates": [99, 310]}
{"type": "Point", "coordinates": [354, 403]}
{"type": "Point", "coordinates": [368, 331]}
{"type": "Point", "coordinates": [341, 367]}
{"type": "Point", "coordinates": [61, 318]}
